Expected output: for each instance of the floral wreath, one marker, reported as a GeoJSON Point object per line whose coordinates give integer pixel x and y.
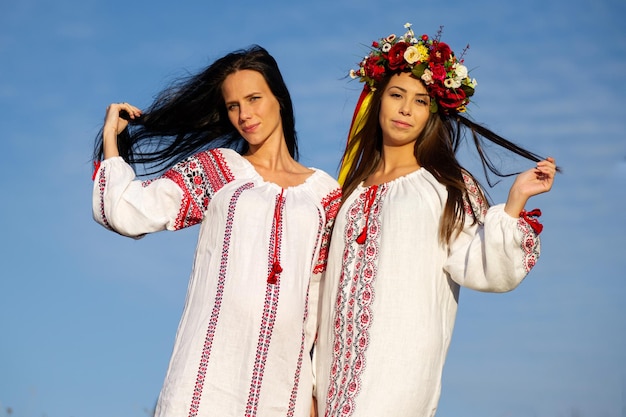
{"type": "Point", "coordinates": [428, 59]}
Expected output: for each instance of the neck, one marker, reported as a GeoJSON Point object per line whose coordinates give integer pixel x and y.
{"type": "Point", "coordinates": [270, 156]}
{"type": "Point", "coordinates": [397, 158]}
{"type": "Point", "coordinates": [395, 162]}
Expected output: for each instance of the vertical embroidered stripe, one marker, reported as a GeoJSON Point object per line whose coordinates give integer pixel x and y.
{"type": "Point", "coordinates": [217, 304]}
{"type": "Point", "coordinates": [272, 292]}
{"type": "Point", "coordinates": [530, 244]}
{"type": "Point", "coordinates": [102, 180]}
{"type": "Point", "coordinates": [331, 206]}
{"type": "Point", "coordinates": [353, 314]}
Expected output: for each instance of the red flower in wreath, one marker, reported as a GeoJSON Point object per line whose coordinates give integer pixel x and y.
{"type": "Point", "coordinates": [451, 99]}
{"type": "Point", "coordinates": [373, 70]}
{"type": "Point", "coordinates": [396, 56]}
{"type": "Point", "coordinates": [439, 72]}
{"type": "Point", "coordinates": [435, 90]}
{"type": "Point", "coordinates": [440, 52]}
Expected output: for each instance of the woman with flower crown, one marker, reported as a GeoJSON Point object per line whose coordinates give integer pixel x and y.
{"type": "Point", "coordinates": [413, 228]}
{"type": "Point", "coordinates": [225, 143]}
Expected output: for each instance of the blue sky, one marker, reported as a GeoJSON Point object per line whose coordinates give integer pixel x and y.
{"type": "Point", "coordinates": [87, 318]}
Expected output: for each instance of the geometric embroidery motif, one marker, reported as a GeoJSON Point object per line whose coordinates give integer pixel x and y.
{"type": "Point", "coordinates": [199, 177]}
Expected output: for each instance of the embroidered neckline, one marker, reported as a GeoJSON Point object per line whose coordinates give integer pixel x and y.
{"type": "Point", "coordinates": [262, 180]}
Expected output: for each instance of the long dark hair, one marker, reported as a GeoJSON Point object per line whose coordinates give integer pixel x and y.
{"type": "Point", "coordinates": [190, 115]}
{"type": "Point", "coordinates": [435, 150]}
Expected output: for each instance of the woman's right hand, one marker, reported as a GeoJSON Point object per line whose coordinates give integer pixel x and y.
{"type": "Point", "coordinates": [115, 121]}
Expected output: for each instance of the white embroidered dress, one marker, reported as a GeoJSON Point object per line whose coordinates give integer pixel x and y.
{"type": "Point", "coordinates": [388, 305]}
{"type": "Point", "coordinates": [243, 342]}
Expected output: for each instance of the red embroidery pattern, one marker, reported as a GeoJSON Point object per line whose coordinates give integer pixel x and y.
{"type": "Point", "coordinates": [200, 177]}
{"type": "Point", "coordinates": [217, 304]}
{"type": "Point", "coordinates": [272, 292]}
{"type": "Point", "coordinates": [531, 245]}
{"type": "Point", "coordinates": [531, 217]}
{"type": "Point", "coordinates": [353, 315]}
{"type": "Point", "coordinates": [296, 379]}
{"type": "Point", "coordinates": [331, 205]}
{"type": "Point", "coordinates": [476, 204]}
{"type": "Point", "coordinates": [102, 181]}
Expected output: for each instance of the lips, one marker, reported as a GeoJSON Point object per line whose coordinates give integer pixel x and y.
{"type": "Point", "coordinates": [249, 128]}
{"type": "Point", "coordinates": [401, 124]}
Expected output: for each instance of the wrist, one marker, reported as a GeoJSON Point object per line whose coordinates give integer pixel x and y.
{"type": "Point", "coordinates": [515, 204]}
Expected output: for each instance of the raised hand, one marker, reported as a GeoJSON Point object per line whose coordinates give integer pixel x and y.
{"type": "Point", "coordinates": [115, 121]}
{"type": "Point", "coordinates": [529, 183]}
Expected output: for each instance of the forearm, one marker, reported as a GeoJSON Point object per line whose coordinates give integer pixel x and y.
{"type": "Point", "coordinates": [110, 143]}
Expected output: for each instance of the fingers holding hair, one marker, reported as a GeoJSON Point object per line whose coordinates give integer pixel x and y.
{"type": "Point", "coordinates": [546, 169]}
{"type": "Point", "coordinates": [118, 115]}
{"type": "Point", "coordinates": [128, 111]}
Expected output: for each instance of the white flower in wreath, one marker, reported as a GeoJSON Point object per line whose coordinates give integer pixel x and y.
{"type": "Point", "coordinates": [427, 76]}
{"type": "Point", "coordinates": [452, 83]}
{"type": "Point", "coordinates": [460, 71]}
{"type": "Point", "coordinates": [412, 55]}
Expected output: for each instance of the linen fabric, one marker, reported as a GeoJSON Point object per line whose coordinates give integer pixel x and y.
{"type": "Point", "coordinates": [388, 305]}
{"type": "Point", "coordinates": [242, 345]}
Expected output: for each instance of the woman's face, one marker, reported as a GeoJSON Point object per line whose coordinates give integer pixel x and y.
{"type": "Point", "coordinates": [404, 110]}
{"type": "Point", "coordinates": [252, 107]}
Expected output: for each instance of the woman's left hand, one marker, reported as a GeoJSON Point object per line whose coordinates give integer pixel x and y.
{"type": "Point", "coordinates": [529, 183]}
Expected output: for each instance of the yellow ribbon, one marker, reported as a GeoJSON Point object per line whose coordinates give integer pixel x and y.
{"type": "Point", "coordinates": [358, 120]}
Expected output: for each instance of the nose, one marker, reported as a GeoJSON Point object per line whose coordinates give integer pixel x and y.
{"type": "Point", "coordinates": [244, 112]}
{"type": "Point", "coordinates": [405, 107]}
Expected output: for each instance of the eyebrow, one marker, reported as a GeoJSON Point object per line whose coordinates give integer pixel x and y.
{"type": "Point", "coordinates": [405, 91]}
{"type": "Point", "coordinates": [245, 97]}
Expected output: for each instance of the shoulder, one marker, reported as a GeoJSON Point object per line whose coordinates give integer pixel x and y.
{"type": "Point", "coordinates": [225, 154]}
{"type": "Point", "coordinates": [323, 176]}
{"type": "Point", "coordinates": [322, 180]}
{"type": "Point", "coordinates": [325, 187]}
{"type": "Point", "coordinates": [229, 160]}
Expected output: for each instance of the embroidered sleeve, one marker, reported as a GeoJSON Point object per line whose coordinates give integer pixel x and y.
{"type": "Point", "coordinates": [199, 177]}
{"type": "Point", "coordinates": [530, 244]}
{"type": "Point", "coordinates": [331, 206]}
{"type": "Point", "coordinates": [475, 204]}
{"type": "Point", "coordinates": [175, 200]}
{"type": "Point", "coordinates": [493, 256]}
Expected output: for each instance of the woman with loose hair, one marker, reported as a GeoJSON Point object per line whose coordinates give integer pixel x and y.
{"type": "Point", "coordinates": [414, 226]}
{"type": "Point", "coordinates": [219, 149]}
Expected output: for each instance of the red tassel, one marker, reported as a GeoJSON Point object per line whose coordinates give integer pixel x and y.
{"type": "Point", "coordinates": [96, 167]}
{"type": "Point", "coordinates": [276, 269]}
{"type": "Point", "coordinates": [369, 201]}
{"type": "Point", "coordinates": [530, 218]}
{"type": "Point", "coordinates": [361, 239]}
